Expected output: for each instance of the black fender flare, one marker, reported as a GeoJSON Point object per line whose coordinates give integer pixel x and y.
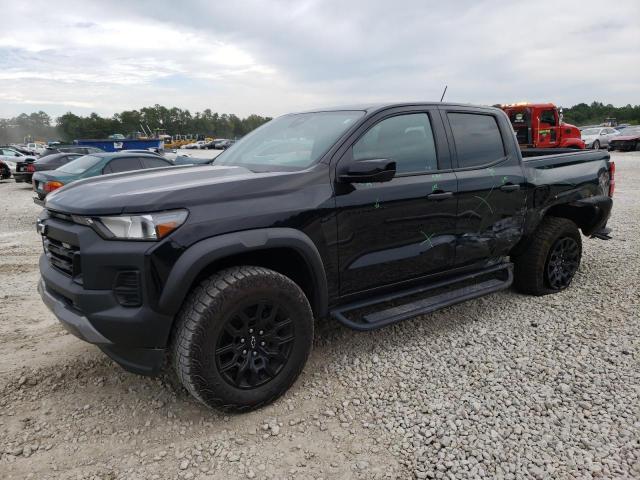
{"type": "Point", "coordinates": [201, 254]}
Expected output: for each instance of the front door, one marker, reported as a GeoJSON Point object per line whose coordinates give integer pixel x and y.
{"type": "Point", "coordinates": [547, 128]}
{"type": "Point", "coordinates": [491, 187]}
{"type": "Point", "coordinates": [405, 228]}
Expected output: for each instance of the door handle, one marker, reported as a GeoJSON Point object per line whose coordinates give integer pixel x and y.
{"type": "Point", "coordinates": [510, 187]}
{"type": "Point", "coordinates": [439, 196]}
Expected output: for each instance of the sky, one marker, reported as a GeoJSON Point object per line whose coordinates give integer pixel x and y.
{"type": "Point", "coordinates": [273, 57]}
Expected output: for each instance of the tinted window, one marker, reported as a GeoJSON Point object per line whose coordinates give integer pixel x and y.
{"type": "Point", "coordinates": [122, 165]}
{"type": "Point", "coordinates": [477, 139]}
{"type": "Point", "coordinates": [405, 139]}
{"type": "Point", "coordinates": [154, 162]}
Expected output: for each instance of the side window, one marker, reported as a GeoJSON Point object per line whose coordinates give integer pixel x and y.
{"type": "Point", "coordinates": [122, 165]}
{"type": "Point", "coordinates": [406, 139]}
{"type": "Point", "coordinates": [148, 162]}
{"type": "Point", "coordinates": [548, 116]}
{"type": "Point", "coordinates": [477, 138]}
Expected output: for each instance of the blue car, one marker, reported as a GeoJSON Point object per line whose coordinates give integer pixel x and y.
{"type": "Point", "coordinates": [93, 165]}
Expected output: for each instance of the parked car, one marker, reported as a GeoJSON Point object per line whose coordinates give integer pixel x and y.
{"type": "Point", "coordinates": [5, 172]}
{"type": "Point", "coordinates": [200, 144]}
{"type": "Point", "coordinates": [36, 148]}
{"type": "Point", "coordinates": [223, 144]}
{"type": "Point", "coordinates": [26, 169]}
{"type": "Point", "coordinates": [381, 214]}
{"type": "Point", "coordinates": [21, 149]}
{"type": "Point", "coordinates": [598, 137]}
{"type": "Point", "coordinates": [11, 157]}
{"type": "Point", "coordinates": [70, 149]}
{"type": "Point", "coordinates": [92, 165]}
{"type": "Point", "coordinates": [629, 139]}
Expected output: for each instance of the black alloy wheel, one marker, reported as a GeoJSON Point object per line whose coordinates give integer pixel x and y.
{"type": "Point", "coordinates": [562, 263]}
{"type": "Point", "coordinates": [255, 344]}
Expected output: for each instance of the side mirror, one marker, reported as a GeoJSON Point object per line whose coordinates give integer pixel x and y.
{"type": "Point", "coordinates": [365, 171]}
{"type": "Point", "coordinates": [16, 154]}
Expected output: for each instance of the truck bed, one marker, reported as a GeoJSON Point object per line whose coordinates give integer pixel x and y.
{"type": "Point", "coordinates": [566, 158]}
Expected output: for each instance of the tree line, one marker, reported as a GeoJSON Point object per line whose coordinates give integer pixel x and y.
{"type": "Point", "coordinates": [157, 119]}
{"type": "Point", "coordinates": [597, 112]}
{"type": "Point", "coordinates": [176, 121]}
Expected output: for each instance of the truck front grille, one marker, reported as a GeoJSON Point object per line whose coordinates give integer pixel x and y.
{"type": "Point", "coordinates": [62, 256]}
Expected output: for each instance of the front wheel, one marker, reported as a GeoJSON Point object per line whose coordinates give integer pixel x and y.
{"type": "Point", "coordinates": [242, 338]}
{"type": "Point", "coordinates": [551, 260]}
{"type": "Point", "coordinates": [596, 145]}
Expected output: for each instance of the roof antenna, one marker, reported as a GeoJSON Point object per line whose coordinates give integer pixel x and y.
{"type": "Point", "coordinates": [443, 93]}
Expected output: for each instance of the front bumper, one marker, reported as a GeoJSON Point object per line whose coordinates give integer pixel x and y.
{"type": "Point", "coordinates": [86, 304]}
{"type": "Point", "coordinates": [74, 322]}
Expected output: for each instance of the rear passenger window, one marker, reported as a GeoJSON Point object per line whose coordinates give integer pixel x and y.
{"type": "Point", "coordinates": [405, 139]}
{"type": "Point", "coordinates": [122, 165]}
{"type": "Point", "coordinates": [153, 162]}
{"type": "Point", "coordinates": [477, 139]}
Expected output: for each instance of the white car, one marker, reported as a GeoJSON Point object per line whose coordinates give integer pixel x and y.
{"type": "Point", "coordinates": [38, 148]}
{"type": "Point", "coordinates": [11, 157]}
{"type": "Point", "coordinates": [598, 137]}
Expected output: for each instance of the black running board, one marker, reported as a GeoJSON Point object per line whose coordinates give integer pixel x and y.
{"type": "Point", "coordinates": [458, 289]}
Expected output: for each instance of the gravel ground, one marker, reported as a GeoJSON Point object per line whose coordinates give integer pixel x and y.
{"type": "Point", "coordinates": [507, 386]}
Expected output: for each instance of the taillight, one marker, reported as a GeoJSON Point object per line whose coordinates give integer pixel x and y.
{"type": "Point", "coordinates": [51, 186]}
{"type": "Point", "coordinates": [612, 178]}
{"type": "Point", "coordinates": [31, 168]}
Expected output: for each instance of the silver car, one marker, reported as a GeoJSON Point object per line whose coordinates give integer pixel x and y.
{"type": "Point", "coordinates": [11, 157]}
{"type": "Point", "coordinates": [598, 137]}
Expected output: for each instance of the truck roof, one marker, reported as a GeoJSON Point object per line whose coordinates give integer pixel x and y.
{"type": "Point", "coordinates": [528, 105]}
{"type": "Point", "coordinates": [372, 107]}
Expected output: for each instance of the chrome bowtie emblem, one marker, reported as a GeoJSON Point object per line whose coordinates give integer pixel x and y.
{"type": "Point", "coordinates": [253, 342]}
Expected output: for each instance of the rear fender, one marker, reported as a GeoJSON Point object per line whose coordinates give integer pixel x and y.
{"type": "Point", "coordinates": [589, 214]}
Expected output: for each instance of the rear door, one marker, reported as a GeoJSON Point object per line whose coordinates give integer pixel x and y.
{"type": "Point", "coordinates": [402, 229]}
{"type": "Point", "coordinates": [491, 184]}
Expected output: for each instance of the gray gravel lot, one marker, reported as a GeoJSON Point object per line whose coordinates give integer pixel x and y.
{"type": "Point", "coordinates": [506, 386]}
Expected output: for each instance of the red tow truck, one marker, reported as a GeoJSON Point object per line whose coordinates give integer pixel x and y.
{"type": "Point", "coordinates": [540, 125]}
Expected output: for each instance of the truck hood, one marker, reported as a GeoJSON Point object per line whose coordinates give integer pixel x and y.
{"type": "Point", "coordinates": [158, 189]}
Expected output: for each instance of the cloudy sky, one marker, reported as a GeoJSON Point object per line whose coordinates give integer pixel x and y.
{"type": "Point", "coordinates": [270, 57]}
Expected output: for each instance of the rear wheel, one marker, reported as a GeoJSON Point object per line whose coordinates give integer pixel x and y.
{"type": "Point", "coordinates": [552, 258]}
{"type": "Point", "coordinates": [596, 145]}
{"type": "Point", "coordinates": [242, 338]}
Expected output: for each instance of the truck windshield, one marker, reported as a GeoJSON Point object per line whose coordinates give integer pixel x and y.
{"type": "Point", "coordinates": [80, 165]}
{"type": "Point", "coordinates": [289, 143]}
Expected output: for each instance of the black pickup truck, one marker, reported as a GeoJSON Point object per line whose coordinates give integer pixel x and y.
{"type": "Point", "coordinates": [368, 215]}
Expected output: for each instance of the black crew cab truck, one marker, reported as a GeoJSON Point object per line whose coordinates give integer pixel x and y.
{"type": "Point", "coordinates": [368, 215]}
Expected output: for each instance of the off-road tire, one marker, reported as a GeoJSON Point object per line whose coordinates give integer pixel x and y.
{"type": "Point", "coordinates": [200, 323]}
{"type": "Point", "coordinates": [530, 272]}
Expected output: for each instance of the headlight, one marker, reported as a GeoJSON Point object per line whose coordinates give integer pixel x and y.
{"type": "Point", "coordinates": [151, 226]}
